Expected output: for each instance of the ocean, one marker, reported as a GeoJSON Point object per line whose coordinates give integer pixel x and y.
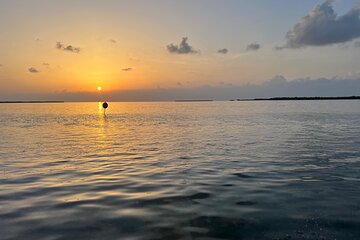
{"type": "Point", "coordinates": [180, 170]}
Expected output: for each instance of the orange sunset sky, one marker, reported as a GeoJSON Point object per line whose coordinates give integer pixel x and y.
{"type": "Point", "coordinates": [76, 46]}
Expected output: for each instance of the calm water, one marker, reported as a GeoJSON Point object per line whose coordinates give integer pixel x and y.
{"type": "Point", "coordinates": [216, 170]}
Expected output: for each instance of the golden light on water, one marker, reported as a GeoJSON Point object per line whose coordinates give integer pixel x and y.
{"type": "Point", "coordinates": [100, 107]}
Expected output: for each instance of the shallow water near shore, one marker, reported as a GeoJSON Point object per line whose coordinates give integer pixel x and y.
{"type": "Point", "coordinates": [212, 170]}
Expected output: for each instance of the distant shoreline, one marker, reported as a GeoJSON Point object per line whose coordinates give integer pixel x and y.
{"type": "Point", "coordinates": [32, 101]}
{"type": "Point", "coordinates": [300, 98]}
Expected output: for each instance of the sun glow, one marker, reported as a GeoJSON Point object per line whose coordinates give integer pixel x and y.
{"type": "Point", "coordinates": [99, 88]}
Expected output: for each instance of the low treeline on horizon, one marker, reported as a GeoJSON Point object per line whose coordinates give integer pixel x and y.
{"type": "Point", "coordinates": [301, 98]}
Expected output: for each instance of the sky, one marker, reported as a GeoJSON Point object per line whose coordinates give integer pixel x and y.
{"type": "Point", "coordinates": [166, 49]}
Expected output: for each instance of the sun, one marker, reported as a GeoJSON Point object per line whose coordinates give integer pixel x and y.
{"type": "Point", "coordinates": [99, 88]}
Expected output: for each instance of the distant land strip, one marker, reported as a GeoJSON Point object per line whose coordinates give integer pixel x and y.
{"type": "Point", "coordinates": [300, 98]}
{"type": "Point", "coordinates": [32, 101]}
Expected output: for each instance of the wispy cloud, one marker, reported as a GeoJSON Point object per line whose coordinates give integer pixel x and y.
{"type": "Point", "coordinates": [222, 83]}
{"type": "Point", "coordinates": [223, 51]}
{"type": "Point", "coordinates": [127, 69]}
{"type": "Point", "coordinates": [182, 48]}
{"type": "Point", "coordinates": [46, 64]}
{"type": "Point", "coordinates": [253, 47]}
{"type": "Point", "coordinates": [33, 70]}
{"type": "Point", "coordinates": [321, 26]}
{"type": "Point", "coordinates": [113, 41]}
{"type": "Point", "coordinates": [69, 48]}
{"type": "Point", "coordinates": [278, 48]}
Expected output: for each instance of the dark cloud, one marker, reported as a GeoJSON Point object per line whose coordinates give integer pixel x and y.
{"type": "Point", "coordinates": [69, 48]}
{"type": "Point", "coordinates": [33, 70]}
{"type": "Point", "coordinates": [182, 48]}
{"type": "Point", "coordinates": [321, 26]}
{"type": "Point", "coordinates": [357, 44]}
{"type": "Point", "coordinates": [127, 69]}
{"type": "Point", "coordinates": [223, 51]}
{"type": "Point", "coordinates": [113, 41]}
{"type": "Point", "coordinates": [253, 47]}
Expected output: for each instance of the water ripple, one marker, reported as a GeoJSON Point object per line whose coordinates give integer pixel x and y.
{"type": "Point", "coordinates": [217, 170]}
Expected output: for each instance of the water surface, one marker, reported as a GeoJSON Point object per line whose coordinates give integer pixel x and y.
{"type": "Point", "coordinates": [212, 170]}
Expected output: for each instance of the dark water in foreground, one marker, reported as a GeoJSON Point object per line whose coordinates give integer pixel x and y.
{"type": "Point", "coordinates": [216, 170]}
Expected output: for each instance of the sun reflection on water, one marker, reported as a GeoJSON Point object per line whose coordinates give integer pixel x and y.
{"type": "Point", "coordinates": [101, 110]}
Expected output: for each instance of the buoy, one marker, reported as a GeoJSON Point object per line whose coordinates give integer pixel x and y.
{"type": "Point", "coordinates": [105, 105]}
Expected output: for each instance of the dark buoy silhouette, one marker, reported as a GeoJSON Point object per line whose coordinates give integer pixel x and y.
{"type": "Point", "coordinates": [105, 106]}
